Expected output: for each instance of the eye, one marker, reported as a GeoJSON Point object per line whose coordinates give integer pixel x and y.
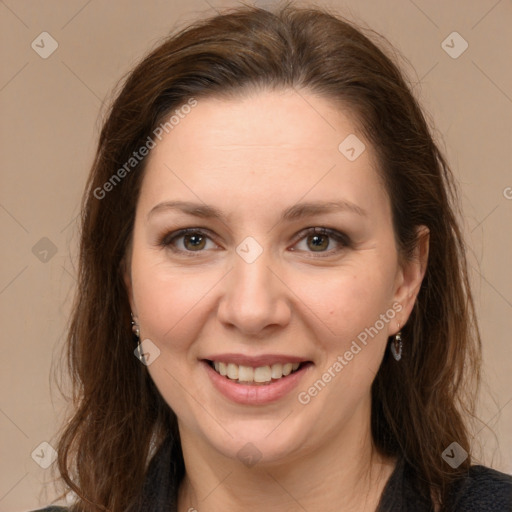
{"type": "Point", "coordinates": [188, 241]}
{"type": "Point", "coordinates": [321, 240]}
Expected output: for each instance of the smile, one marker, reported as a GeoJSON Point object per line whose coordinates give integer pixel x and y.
{"type": "Point", "coordinates": [255, 379]}
{"type": "Point", "coordinates": [260, 375]}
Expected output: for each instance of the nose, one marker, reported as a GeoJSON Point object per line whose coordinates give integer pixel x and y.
{"type": "Point", "coordinates": [254, 299]}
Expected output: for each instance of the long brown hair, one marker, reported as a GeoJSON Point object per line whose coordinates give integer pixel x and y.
{"type": "Point", "coordinates": [419, 404]}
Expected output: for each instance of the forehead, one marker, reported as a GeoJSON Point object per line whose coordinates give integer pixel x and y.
{"type": "Point", "coordinates": [286, 119]}
{"type": "Point", "coordinates": [266, 144]}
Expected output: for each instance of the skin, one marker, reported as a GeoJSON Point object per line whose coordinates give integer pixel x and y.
{"type": "Point", "coordinates": [252, 158]}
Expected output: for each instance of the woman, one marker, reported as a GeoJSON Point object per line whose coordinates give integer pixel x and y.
{"type": "Point", "coordinates": [271, 230]}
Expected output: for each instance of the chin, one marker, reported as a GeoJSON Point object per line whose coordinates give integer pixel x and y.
{"type": "Point", "coordinates": [260, 442]}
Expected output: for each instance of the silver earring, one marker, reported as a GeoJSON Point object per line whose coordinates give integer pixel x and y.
{"type": "Point", "coordinates": [396, 345]}
{"type": "Point", "coordinates": [135, 327]}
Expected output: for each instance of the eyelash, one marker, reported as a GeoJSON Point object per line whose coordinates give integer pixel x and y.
{"type": "Point", "coordinates": [341, 238]}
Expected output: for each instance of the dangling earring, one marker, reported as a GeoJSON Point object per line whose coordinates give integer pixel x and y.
{"type": "Point", "coordinates": [136, 331]}
{"type": "Point", "coordinates": [396, 345]}
{"type": "Point", "coordinates": [135, 327]}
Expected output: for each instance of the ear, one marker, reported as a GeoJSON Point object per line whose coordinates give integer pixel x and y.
{"type": "Point", "coordinates": [410, 276]}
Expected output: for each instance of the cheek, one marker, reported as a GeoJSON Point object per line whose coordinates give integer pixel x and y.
{"type": "Point", "coordinates": [349, 302]}
{"type": "Point", "coordinates": [170, 301]}
{"type": "Point", "coordinates": [358, 313]}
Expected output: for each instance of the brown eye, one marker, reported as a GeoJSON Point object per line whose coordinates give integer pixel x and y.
{"type": "Point", "coordinates": [189, 241]}
{"type": "Point", "coordinates": [194, 242]}
{"type": "Point", "coordinates": [318, 243]}
{"type": "Point", "coordinates": [322, 241]}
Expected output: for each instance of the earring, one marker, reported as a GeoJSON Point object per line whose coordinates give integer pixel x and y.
{"type": "Point", "coordinates": [396, 345]}
{"type": "Point", "coordinates": [135, 327]}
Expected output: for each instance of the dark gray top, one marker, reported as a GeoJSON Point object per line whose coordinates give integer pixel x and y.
{"type": "Point", "coordinates": [481, 490]}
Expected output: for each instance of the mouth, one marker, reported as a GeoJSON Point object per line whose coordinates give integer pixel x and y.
{"type": "Point", "coordinates": [256, 375]}
{"type": "Point", "coordinates": [256, 380]}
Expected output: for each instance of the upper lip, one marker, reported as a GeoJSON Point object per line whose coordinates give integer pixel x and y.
{"type": "Point", "coordinates": [256, 361]}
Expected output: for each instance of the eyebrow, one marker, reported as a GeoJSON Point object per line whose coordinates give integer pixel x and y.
{"type": "Point", "coordinates": [295, 212]}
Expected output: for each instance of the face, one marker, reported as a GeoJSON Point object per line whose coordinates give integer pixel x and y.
{"type": "Point", "coordinates": [259, 249]}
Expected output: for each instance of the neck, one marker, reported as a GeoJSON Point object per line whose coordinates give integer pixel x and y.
{"type": "Point", "coordinates": [344, 473]}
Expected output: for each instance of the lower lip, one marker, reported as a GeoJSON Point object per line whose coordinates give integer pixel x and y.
{"type": "Point", "coordinates": [256, 394]}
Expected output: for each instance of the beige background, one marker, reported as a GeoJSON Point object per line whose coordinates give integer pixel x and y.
{"type": "Point", "coordinates": [49, 126]}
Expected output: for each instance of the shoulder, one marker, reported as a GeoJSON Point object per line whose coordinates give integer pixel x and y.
{"type": "Point", "coordinates": [483, 489]}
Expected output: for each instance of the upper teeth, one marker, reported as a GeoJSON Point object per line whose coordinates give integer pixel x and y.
{"type": "Point", "coordinates": [250, 374]}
